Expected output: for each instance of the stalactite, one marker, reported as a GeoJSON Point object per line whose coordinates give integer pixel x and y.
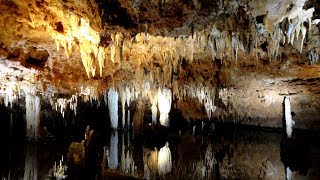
{"type": "Point", "coordinates": [12, 93]}
{"type": "Point", "coordinates": [288, 117]}
{"type": "Point", "coordinates": [164, 104]}
{"type": "Point", "coordinates": [123, 104]}
{"type": "Point", "coordinates": [113, 107]}
{"type": "Point", "coordinates": [154, 112]}
{"type": "Point", "coordinates": [101, 59]}
{"type": "Point", "coordinates": [33, 106]}
{"type": "Point", "coordinates": [303, 32]}
{"type": "Point", "coordinates": [63, 103]}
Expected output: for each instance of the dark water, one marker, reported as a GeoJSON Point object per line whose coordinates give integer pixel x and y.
{"type": "Point", "coordinates": [227, 152]}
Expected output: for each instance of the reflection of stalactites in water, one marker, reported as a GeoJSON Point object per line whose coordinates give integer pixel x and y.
{"type": "Point", "coordinates": [127, 164]}
{"type": "Point", "coordinates": [150, 160]}
{"type": "Point", "coordinates": [113, 151]}
{"type": "Point", "coordinates": [164, 160]}
{"type": "Point", "coordinates": [204, 168]}
{"type": "Point", "coordinates": [33, 106]}
{"type": "Point", "coordinates": [30, 166]}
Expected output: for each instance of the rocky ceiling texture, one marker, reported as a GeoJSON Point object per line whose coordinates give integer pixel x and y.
{"type": "Point", "coordinates": [232, 60]}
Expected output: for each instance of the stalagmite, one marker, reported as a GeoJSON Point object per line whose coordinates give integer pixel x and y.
{"type": "Point", "coordinates": [164, 104]}
{"type": "Point", "coordinates": [288, 117]}
{"type": "Point", "coordinates": [113, 151]}
{"type": "Point", "coordinates": [33, 106]}
{"type": "Point", "coordinates": [113, 107]}
{"type": "Point", "coordinates": [164, 160]}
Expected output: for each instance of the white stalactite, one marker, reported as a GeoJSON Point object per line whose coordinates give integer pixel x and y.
{"type": "Point", "coordinates": [288, 117]}
{"type": "Point", "coordinates": [164, 160]}
{"type": "Point", "coordinates": [113, 162]}
{"type": "Point", "coordinates": [164, 103]}
{"type": "Point", "coordinates": [33, 106]}
{"type": "Point", "coordinates": [113, 107]}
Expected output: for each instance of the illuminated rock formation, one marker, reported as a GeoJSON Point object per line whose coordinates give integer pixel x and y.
{"type": "Point", "coordinates": [113, 108]}
{"type": "Point", "coordinates": [164, 104]}
{"type": "Point", "coordinates": [236, 58]}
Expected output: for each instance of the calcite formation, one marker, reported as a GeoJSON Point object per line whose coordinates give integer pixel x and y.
{"type": "Point", "coordinates": [237, 58]}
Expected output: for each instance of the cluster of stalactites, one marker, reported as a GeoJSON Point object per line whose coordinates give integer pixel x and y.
{"type": "Point", "coordinates": [88, 93]}
{"type": "Point", "coordinates": [130, 92]}
{"type": "Point", "coordinates": [205, 95]}
{"type": "Point", "coordinates": [204, 168]}
{"type": "Point", "coordinates": [79, 28]}
{"type": "Point", "coordinates": [11, 93]}
{"type": "Point", "coordinates": [75, 28]}
{"type": "Point", "coordinates": [62, 104]}
{"type": "Point", "coordinates": [170, 50]}
{"type": "Point", "coordinates": [224, 43]}
{"type": "Point", "coordinates": [294, 32]}
{"type": "Point", "coordinates": [14, 80]}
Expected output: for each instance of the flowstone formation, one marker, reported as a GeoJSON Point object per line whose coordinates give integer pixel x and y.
{"type": "Point", "coordinates": [221, 60]}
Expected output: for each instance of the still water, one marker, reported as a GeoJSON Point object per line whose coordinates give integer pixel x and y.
{"type": "Point", "coordinates": [225, 152]}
